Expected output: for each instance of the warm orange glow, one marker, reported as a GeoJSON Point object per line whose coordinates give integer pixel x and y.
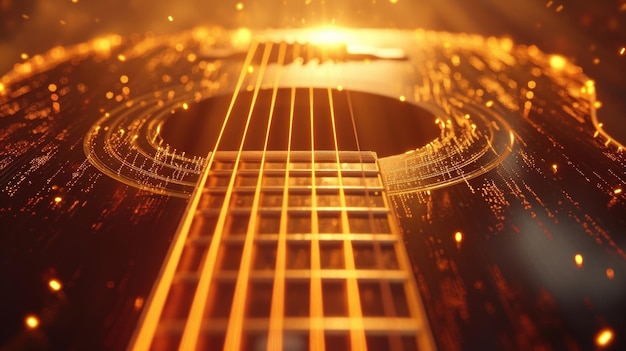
{"type": "Point", "coordinates": [58, 199]}
{"type": "Point", "coordinates": [458, 237]}
{"type": "Point", "coordinates": [557, 62]}
{"type": "Point", "coordinates": [239, 6]}
{"type": "Point", "coordinates": [124, 79]}
{"type": "Point", "coordinates": [139, 301]}
{"type": "Point", "coordinates": [170, 18]}
{"type": "Point", "coordinates": [617, 191]}
{"type": "Point", "coordinates": [604, 337]}
{"type": "Point", "coordinates": [52, 88]}
{"type": "Point", "coordinates": [32, 322]}
{"type": "Point", "coordinates": [241, 38]}
{"type": "Point", "coordinates": [579, 260]}
{"type": "Point", "coordinates": [555, 167]}
{"type": "Point", "coordinates": [622, 51]}
{"type": "Point", "coordinates": [185, 106]}
{"type": "Point", "coordinates": [590, 86]}
{"type": "Point", "coordinates": [610, 273]}
{"type": "Point", "coordinates": [328, 35]}
{"type": "Point", "coordinates": [55, 285]}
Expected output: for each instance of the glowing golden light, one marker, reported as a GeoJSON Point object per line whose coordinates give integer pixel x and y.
{"type": "Point", "coordinates": [532, 84]}
{"type": "Point", "coordinates": [340, 87]}
{"type": "Point", "coordinates": [32, 322]}
{"type": "Point", "coordinates": [55, 285]}
{"type": "Point", "coordinates": [591, 86]}
{"type": "Point", "coordinates": [555, 167]}
{"type": "Point", "coordinates": [393, 1]}
{"type": "Point", "coordinates": [402, 98]}
{"type": "Point", "coordinates": [24, 56]}
{"type": "Point", "coordinates": [124, 79]}
{"type": "Point", "coordinates": [239, 6]}
{"type": "Point", "coordinates": [170, 18]}
{"type": "Point", "coordinates": [109, 95]}
{"type": "Point", "coordinates": [241, 38]}
{"type": "Point", "coordinates": [250, 69]}
{"type": "Point", "coordinates": [610, 273]}
{"type": "Point", "coordinates": [489, 103]}
{"type": "Point", "coordinates": [458, 237]}
{"type": "Point", "coordinates": [185, 106]}
{"type": "Point", "coordinates": [604, 337]}
{"type": "Point", "coordinates": [328, 36]}
{"type": "Point", "coordinates": [1, 88]}
{"type": "Point", "coordinates": [557, 62]}
{"type": "Point", "coordinates": [622, 51]}
{"type": "Point", "coordinates": [52, 88]}
{"type": "Point", "coordinates": [102, 44]}
{"type": "Point", "coordinates": [617, 191]}
{"type": "Point", "coordinates": [121, 58]}
{"type": "Point", "coordinates": [579, 260]}
{"type": "Point", "coordinates": [58, 199]}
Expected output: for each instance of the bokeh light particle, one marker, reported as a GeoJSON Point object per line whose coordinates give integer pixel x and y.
{"type": "Point", "coordinates": [32, 322]}
{"type": "Point", "coordinates": [604, 337]}
{"type": "Point", "coordinates": [55, 285]}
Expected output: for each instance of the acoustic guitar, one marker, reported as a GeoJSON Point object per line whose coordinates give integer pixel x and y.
{"type": "Point", "coordinates": [316, 189]}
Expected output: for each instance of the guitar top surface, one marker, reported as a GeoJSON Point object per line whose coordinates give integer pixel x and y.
{"type": "Point", "coordinates": [506, 193]}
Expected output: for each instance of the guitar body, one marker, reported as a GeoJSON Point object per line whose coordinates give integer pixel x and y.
{"type": "Point", "coordinates": [503, 194]}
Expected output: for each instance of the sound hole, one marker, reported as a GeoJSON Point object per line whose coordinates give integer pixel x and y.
{"type": "Point", "coordinates": [384, 125]}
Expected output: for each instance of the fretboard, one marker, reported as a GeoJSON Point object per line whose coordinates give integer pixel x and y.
{"type": "Point", "coordinates": [290, 251]}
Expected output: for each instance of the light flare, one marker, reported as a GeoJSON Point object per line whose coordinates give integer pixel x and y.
{"type": "Point", "coordinates": [604, 337]}
{"type": "Point", "coordinates": [558, 62]}
{"type": "Point", "coordinates": [579, 260]}
{"type": "Point", "coordinates": [32, 322]}
{"type": "Point", "coordinates": [55, 285]}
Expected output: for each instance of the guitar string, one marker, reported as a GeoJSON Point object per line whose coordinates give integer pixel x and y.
{"type": "Point", "coordinates": [152, 316]}
{"type": "Point", "coordinates": [316, 308]}
{"type": "Point", "coordinates": [355, 315]}
{"type": "Point", "coordinates": [194, 321]}
{"type": "Point", "coordinates": [424, 335]}
{"type": "Point", "coordinates": [275, 335]}
{"type": "Point", "coordinates": [237, 314]}
{"type": "Point", "coordinates": [386, 294]}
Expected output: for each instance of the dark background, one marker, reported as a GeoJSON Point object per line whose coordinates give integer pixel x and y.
{"type": "Point", "coordinates": [589, 33]}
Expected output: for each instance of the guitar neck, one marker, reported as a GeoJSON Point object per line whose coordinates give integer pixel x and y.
{"type": "Point", "coordinates": [287, 250]}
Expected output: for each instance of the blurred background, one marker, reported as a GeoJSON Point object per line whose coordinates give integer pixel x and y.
{"type": "Point", "coordinates": [592, 34]}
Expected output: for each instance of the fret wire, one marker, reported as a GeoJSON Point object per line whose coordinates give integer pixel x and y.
{"type": "Point", "coordinates": [194, 320]}
{"type": "Point", "coordinates": [152, 314]}
{"type": "Point", "coordinates": [357, 333]}
{"type": "Point", "coordinates": [316, 313]}
{"type": "Point", "coordinates": [237, 314]}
